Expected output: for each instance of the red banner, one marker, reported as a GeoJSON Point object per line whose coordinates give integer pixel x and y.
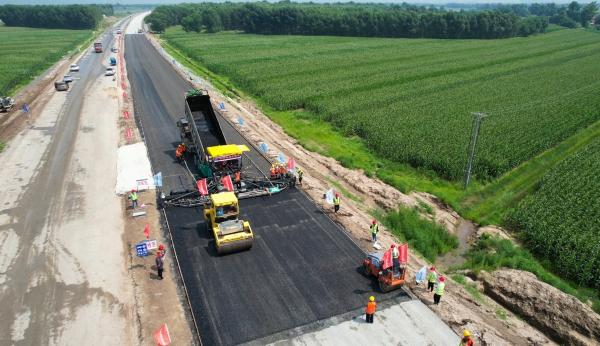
{"type": "Point", "coordinates": [147, 231]}
{"type": "Point", "coordinates": [402, 256]}
{"type": "Point", "coordinates": [291, 164]}
{"type": "Point", "coordinates": [227, 183]}
{"type": "Point", "coordinates": [202, 187]}
{"type": "Point", "coordinates": [162, 337]}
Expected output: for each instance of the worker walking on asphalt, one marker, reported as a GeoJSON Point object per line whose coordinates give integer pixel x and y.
{"type": "Point", "coordinates": [134, 199]}
{"type": "Point", "coordinates": [431, 278]}
{"type": "Point", "coordinates": [370, 311]}
{"type": "Point", "coordinates": [439, 290]}
{"type": "Point", "coordinates": [374, 230]}
{"type": "Point", "coordinates": [300, 174]}
{"type": "Point", "coordinates": [336, 203]}
{"type": "Point", "coordinates": [180, 151]}
{"type": "Point", "coordinates": [159, 264]}
{"type": "Point", "coordinates": [466, 340]}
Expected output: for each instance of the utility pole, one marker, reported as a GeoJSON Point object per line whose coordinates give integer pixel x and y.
{"type": "Point", "coordinates": [477, 116]}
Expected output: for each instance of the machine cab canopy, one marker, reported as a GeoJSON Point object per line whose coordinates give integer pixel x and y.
{"type": "Point", "coordinates": [225, 204]}
{"type": "Point", "coordinates": [226, 152]}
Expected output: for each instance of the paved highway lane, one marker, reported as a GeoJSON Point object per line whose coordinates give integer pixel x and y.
{"type": "Point", "coordinates": [302, 267]}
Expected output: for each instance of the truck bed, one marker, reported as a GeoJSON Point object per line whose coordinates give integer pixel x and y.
{"type": "Point", "coordinates": [209, 133]}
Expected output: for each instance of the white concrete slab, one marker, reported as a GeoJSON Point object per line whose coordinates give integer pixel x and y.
{"type": "Point", "coordinates": [409, 323]}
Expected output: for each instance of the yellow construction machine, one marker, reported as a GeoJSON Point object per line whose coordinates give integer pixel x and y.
{"type": "Point", "coordinates": [231, 234]}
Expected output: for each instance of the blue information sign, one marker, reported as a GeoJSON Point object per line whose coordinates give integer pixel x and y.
{"type": "Point", "coordinates": [141, 249]}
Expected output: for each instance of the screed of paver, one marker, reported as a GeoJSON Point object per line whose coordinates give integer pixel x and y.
{"type": "Point", "coordinates": [408, 323]}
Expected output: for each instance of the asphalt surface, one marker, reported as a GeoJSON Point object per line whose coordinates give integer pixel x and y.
{"type": "Point", "coordinates": [302, 267]}
{"type": "Point", "coordinates": [34, 212]}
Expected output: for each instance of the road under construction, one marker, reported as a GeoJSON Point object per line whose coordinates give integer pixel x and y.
{"type": "Point", "coordinates": [302, 267]}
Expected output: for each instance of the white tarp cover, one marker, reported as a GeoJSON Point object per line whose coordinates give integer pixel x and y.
{"type": "Point", "coordinates": [133, 165]}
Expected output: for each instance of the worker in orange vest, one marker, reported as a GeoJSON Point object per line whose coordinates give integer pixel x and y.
{"type": "Point", "coordinates": [238, 179]}
{"type": "Point", "coordinates": [466, 340]}
{"type": "Point", "coordinates": [180, 151]}
{"type": "Point", "coordinates": [371, 308]}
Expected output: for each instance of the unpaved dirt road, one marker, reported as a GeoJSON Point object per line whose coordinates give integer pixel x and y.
{"type": "Point", "coordinates": [62, 275]}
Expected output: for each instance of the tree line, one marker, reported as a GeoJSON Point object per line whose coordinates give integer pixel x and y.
{"type": "Point", "coordinates": [55, 17]}
{"type": "Point", "coordinates": [568, 15]}
{"type": "Point", "coordinates": [346, 19]}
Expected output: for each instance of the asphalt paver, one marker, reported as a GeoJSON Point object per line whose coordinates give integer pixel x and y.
{"type": "Point", "coordinates": [302, 267]}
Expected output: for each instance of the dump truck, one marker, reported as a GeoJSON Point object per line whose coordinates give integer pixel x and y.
{"type": "Point", "coordinates": [222, 215]}
{"type": "Point", "coordinates": [388, 278]}
{"type": "Point", "coordinates": [6, 103]}
{"type": "Point", "coordinates": [98, 47]}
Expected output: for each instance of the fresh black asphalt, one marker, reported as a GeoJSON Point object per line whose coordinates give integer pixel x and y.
{"type": "Point", "coordinates": [302, 267]}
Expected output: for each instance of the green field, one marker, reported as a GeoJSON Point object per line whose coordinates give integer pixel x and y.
{"type": "Point", "coordinates": [411, 100]}
{"type": "Point", "coordinates": [27, 52]}
{"type": "Point", "coordinates": [561, 220]}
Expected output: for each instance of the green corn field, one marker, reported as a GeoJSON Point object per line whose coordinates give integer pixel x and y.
{"type": "Point", "coordinates": [561, 220]}
{"type": "Point", "coordinates": [411, 99]}
{"type": "Point", "coordinates": [26, 52]}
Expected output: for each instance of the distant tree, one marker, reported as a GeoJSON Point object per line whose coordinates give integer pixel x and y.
{"type": "Point", "coordinates": [193, 22]}
{"type": "Point", "coordinates": [574, 11]}
{"type": "Point", "coordinates": [588, 12]}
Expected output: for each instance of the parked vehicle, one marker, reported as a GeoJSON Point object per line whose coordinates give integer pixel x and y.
{"type": "Point", "coordinates": [140, 31]}
{"type": "Point", "coordinates": [67, 78]}
{"type": "Point", "coordinates": [74, 68]}
{"type": "Point", "coordinates": [98, 47]}
{"type": "Point", "coordinates": [6, 103]}
{"type": "Point", "coordinates": [113, 61]}
{"type": "Point", "coordinates": [114, 49]}
{"type": "Point", "coordinates": [109, 71]}
{"type": "Point", "coordinates": [61, 86]}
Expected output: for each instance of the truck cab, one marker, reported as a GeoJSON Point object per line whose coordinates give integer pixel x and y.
{"type": "Point", "coordinates": [222, 215]}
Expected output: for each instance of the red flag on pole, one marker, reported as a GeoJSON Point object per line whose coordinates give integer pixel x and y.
{"type": "Point", "coordinates": [202, 187]}
{"type": "Point", "coordinates": [387, 259]}
{"type": "Point", "coordinates": [227, 183]}
{"type": "Point", "coordinates": [162, 336]}
{"type": "Point", "coordinates": [147, 231]}
{"type": "Point", "coordinates": [291, 164]}
{"type": "Point", "coordinates": [403, 253]}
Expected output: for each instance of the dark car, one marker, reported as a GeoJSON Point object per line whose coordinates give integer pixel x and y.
{"type": "Point", "coordinates": [67, 78]}
{"type": "Point", "coordinates": [61, 86]}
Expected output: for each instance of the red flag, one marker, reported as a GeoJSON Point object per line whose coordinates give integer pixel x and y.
{"type": "Point", "coordinates": [227, 183]}
{"type": "Point", "coordinates": [202, 187]}
{"type": "Point", "coordinates": [403, 253]}
{"type": "Point", "coordinates": [162, 337]}
{"type": "Point", "coordinates": [387, 259]}
{"type": "Point", "coordinates": [291, 164]}
{"type": "Point", "coordinates": [147, 231]}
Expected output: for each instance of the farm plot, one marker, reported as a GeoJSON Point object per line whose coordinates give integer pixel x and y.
{"type": "Point", "coordinates": [561, 220]}
{"type": "Point", "coordinates": [411, 99]}
{"type": "Point", "coordinates": [26, 52]}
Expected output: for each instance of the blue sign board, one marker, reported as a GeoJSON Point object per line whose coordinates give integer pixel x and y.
{"type": "Point", "coordinates": [141, 249]}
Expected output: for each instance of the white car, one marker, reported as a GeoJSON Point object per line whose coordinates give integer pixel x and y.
{"type": "Point", "coordinates": [74, 68]}
{"type": "Point", "coordinates": [109, 71]}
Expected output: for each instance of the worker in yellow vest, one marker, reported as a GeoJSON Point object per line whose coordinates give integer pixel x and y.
{"type": "Point", "coordinates": [374, 230]}
{"type": "Point", "coordinates": [134, 199]}
{"type": "Point", "coordinates": [431, 278]}
{"type": "Point", "coordinates": [439, 290]}
{"type": "Point", "coordinates": [336, 203]}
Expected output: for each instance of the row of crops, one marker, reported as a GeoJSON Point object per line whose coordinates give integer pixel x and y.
{"type": "Point", "coordinates": [561, 220]}
{"type": "Point", "coordinates": [26, 52]}
{"type": "Point", "coordinates": [411, 100]}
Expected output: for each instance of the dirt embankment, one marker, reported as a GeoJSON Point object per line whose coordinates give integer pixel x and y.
{"type": "Point", "coordinates": [560, 316]}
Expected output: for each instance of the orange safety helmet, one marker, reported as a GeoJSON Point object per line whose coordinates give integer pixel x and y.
{"type": "Point", "coordinates": [161, 247]}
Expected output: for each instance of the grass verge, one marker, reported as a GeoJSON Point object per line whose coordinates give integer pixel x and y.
{"type": "Point", "coordinates": [491, 253]}
{"type": "Point", "coordinates": [427, 237]}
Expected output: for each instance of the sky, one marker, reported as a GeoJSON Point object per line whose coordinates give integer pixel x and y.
{"type": "Point", "coordinates": [39, 2]}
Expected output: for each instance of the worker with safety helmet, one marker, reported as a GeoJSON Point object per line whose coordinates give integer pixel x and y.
{"type": "Point", "coordinates": [466, 339]}
{"type": "Point", "coordinates": [336, 203]}
{"type": "Point", "coordinates": [180, 151]}
{"type": "Point", "coordinates": [439, 290]}
{"type": "Point", "coordinates": [374, 230]}
{"type": "Point", "coordinates": [371, 308]}
{"type": "Point", "coordinates": [133, 196]}
{"type": "Point", "coordinates": [431, 278]}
